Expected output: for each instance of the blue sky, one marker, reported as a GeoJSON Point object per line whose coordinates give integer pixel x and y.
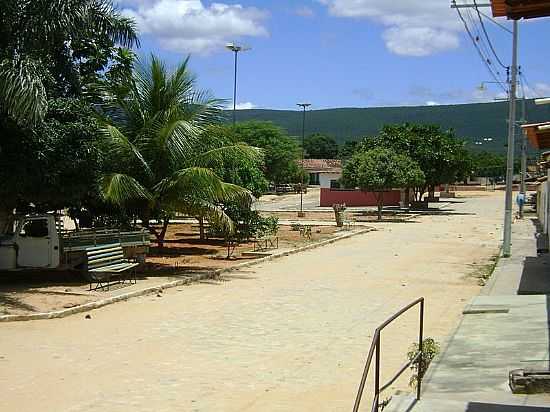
{"type": "Point", "coordinates": [337, 53]}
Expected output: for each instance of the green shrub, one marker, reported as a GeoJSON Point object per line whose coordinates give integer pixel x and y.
{"type": "Point", "coordinates": [430, 348]}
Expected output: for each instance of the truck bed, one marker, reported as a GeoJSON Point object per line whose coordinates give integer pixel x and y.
{"type": "Point", "coordinates": [76, 241]}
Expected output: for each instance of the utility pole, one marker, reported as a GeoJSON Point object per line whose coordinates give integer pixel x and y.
{"type": "Point", "coordinates": [507, 243]}
{"type": "Point", "coordinates": [304, 106]}
{"type": "Point", "coordinates": [236, 49]}
{"type": "Point", "coordinates": [522, 188]}
{"type": "Point", "coordinates": [507, 238]}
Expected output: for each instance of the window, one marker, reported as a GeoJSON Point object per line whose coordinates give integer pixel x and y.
{"type": "Point", "coordinates": [314, 179]}
{"type": "Point", "coordinates": [35, 228]}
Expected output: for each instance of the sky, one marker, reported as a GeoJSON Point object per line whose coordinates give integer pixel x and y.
{"type": "Point", "coordinates": [340, 53]}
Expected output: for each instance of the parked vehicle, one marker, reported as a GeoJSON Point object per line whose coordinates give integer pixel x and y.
{"type": "Point", "coordinates": [39, 241]}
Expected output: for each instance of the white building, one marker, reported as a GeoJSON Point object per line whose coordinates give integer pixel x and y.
{"type": "Point", "coordinates": [323, 172]}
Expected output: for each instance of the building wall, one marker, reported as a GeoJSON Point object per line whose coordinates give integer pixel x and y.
{"type": "Point", "coordinates": [356, 198]}
{"type": "Point", "coordinates": [325, 178]}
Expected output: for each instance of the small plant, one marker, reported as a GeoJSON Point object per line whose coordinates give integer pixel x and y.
{"type": "Point", "coordinates": [430, 348]}
{"type": "Point", "coordinates": [295, 227]}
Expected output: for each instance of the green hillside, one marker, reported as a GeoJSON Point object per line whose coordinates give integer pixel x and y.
{"type": "Point", "coordinates": [472, 122]}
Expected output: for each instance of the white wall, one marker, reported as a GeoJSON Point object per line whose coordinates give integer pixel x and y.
{"type": "Point", "coordinates": [325, 178]}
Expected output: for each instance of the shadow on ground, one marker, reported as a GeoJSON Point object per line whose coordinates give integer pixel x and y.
{"type": "Point", "coordinates": [535, 276]}
{"type": "Point", "coordinates": [491, 407]}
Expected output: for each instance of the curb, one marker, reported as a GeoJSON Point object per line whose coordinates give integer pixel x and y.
{"type": "Point", "coordinates": [181, 282]}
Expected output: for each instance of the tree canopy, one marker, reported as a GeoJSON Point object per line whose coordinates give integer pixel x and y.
{"type": "Point", "coordinates": [156, 160]}
{"type": "Point", "coordinates": [379, 170]}
{"type": "Point", "coordinates": [320, 146]}
{"type": "Point", "coordinates": [50, 52]}
{"type": "Point", "coordinates": [281, 151]}
{"type": "Point", "coordinates": [439, 154]}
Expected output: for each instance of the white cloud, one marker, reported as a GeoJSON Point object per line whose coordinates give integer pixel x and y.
{"type": "Point", "coordinates": [242, 106]}
{"type": "Point", "coordinates": [537, 90]}
{"type": "Point", "coordinates": [432, 103]}
{"type": "Point", "coordinates": [419, 41]}
{"type": "Point", "coordinates": [188, 26]}
{"type": "Point", "coordinates": [305, 11]}
{"type": "Point", "coordinates": [413, 28]}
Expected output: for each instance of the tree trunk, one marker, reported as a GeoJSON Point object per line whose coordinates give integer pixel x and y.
{"type": "Point", "coordinates": [380, 201]}
{"type": "Point", "coordinates": [201, 228]}
{"type": "Point", "coordinates": [407, 197]}
{"type": "Point", "coordinates": [431, 192]}
{"type": "Point", "coordinates": [162, 234]}
{"type": "Point", "coordinates": [7, 219]}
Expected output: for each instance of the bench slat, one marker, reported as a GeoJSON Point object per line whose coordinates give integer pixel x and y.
{"type": "Point", "coordinates": [106, 259]}
{"type": "Point", "coordinates": [115, 268]}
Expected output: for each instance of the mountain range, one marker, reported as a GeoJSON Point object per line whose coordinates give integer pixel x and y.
{"type": "Point", "coordinates": [484, 123]}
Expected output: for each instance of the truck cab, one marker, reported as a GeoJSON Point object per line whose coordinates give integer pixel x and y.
{"type": "Point", "coordinates": [34, 244]}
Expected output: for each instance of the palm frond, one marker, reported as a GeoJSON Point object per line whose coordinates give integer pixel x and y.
{"type": "Point", "coordinates": [214, 213]}
{"type": "Point", "coordinates": [121, 189]}
{"type": "Point", "coordinates": [22, 94]}
{"type": "Point", "coordinates": [121, 146]}
{"type": "Point", "coordinates": [230, 153]}
{"type": "Point", "coordinates": [201, 183]}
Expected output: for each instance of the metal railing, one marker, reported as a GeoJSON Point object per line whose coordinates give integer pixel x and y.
{"type": "Point", "coordinates": [375, 350]}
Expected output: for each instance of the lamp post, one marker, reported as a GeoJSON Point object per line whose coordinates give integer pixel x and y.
{"type": "Point", "coordinates": [236, 49]}
{"type": "Point", "coordinates": [304, 106]}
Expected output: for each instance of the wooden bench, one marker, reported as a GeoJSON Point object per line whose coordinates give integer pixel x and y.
{"type": "Point", "coordinates": [106, 261]}
{"type": "Point", "coordinates": [265, 243]}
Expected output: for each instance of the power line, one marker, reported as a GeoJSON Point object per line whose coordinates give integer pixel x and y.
{"type": "Point", "coordinates": [483, 58]}
{"type": "Point", "coordinates": [487, 36]}
{"type": "Point", "coordinates": [502, 26]}
{"type": "Point", "coordinates": [479, 39]}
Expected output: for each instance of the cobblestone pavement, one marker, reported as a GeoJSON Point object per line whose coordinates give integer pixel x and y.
{"type": "Point", "coordinates": [290, 335]}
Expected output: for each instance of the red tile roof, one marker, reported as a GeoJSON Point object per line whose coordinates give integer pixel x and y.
{"type": "Point", "coordinates": [322, 165]}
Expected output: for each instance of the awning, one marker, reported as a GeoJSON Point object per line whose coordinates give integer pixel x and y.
{"type": "Point", "coordinates": [520, 9]}
{"type": "Point", "coordinates": [538, 134]}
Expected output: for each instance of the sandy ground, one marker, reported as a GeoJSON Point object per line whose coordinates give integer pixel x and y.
{"type": "Point", "coordinates": [183, 255]}
{"type": "Point", "coordinates": [290, 335]}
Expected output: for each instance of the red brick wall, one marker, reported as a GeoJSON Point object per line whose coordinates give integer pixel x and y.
{"type": "Point", "coordinates": [330, 197]}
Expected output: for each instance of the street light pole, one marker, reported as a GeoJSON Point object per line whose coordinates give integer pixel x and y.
{"type": "Point", "coordinates": [304, 106]}
{"type": "Point", "coordinates": [235, 49]}
{"type": "Point", "coordinates": [507, 241]}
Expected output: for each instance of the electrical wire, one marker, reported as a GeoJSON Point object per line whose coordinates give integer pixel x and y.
{"type": "Point", "coordinates": [503, 27]}
{"type": "Point", "coordinates": [478, 37]}
{"type": "Point", "coordinates": [487, 37]}
{"type": "Point", "coordinates": [483, 57]}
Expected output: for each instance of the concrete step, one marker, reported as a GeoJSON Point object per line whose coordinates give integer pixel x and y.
{"type": "Point", "coordinates": [407, 403]}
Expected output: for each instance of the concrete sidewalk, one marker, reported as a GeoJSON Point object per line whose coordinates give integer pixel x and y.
{"type": "Point", "coordinates": [505, 328]}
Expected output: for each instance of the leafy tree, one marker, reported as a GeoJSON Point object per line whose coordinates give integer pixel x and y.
{"type": "Point", "coordinates": [379, 170]}
{"type": "Point", "coordinates": [155, 162]}
{"type": "Point", "coordinates": [489, 164]}
{"type": "Point", "coordinates": [242, 171]}
{"type": "Point", "coordinates": [49, 51]}
{"type": "Point", "coordinates": [439, 154]}
{"type": "Point", "coordinates": [51, 48]}
{"type": "Point", "coordinates": [320, 146]}
{"type": "Point", "coordinates": [281, 151]}
{"type": "Point", "coordinates": [348, 149]}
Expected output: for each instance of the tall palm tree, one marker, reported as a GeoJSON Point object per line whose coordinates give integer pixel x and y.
{"type": "Point", "coordinates": [156, 164]}
{"type": "Point", "coordinates": [39, 35]}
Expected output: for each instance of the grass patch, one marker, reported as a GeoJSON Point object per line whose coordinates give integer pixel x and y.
{"type": "Point", "coordinates": [484, 272]}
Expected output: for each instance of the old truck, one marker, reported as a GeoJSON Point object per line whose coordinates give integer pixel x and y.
{"type": "Point", "coordinates": [40, 242]}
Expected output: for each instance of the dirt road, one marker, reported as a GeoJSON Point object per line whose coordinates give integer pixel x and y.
{"type": "Point", "coordinates": [290, 335]}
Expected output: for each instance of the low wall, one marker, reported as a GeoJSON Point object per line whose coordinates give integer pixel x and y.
{"type": "Point", "coordinates": [330, 197]}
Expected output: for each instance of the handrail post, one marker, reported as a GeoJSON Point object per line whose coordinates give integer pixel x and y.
{"type": "Point", "coordinates": [420, 348]}
{"type": "Point", "coordinates": [377, 372]}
